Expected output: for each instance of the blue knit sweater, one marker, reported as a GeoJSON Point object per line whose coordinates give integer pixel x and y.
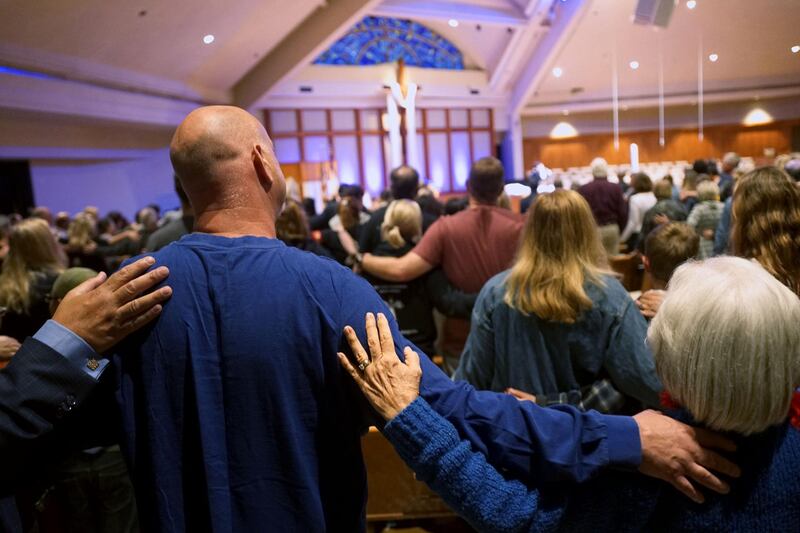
{"type": "Point", "coordinates": [764, 499]}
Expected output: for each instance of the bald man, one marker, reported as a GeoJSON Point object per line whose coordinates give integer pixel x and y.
{"type": "Point", "coordinates": [237, 415]}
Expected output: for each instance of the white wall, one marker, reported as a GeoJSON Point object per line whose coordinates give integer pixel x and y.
{"type": "Point", "coordinates": [124, 186]}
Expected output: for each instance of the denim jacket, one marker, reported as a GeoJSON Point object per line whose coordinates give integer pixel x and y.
{"type": "Point", "coordinates": [506, 348]}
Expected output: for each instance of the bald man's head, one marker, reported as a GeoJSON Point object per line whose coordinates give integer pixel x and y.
{"type": "Point", "coordinates": [223, 151]}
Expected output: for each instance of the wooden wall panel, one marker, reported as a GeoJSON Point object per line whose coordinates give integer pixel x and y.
{"type": "Point", "coordinates": [681, 145]}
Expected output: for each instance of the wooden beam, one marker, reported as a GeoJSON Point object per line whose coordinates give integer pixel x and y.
{"type": "Point", "coordinates": [308, 40]}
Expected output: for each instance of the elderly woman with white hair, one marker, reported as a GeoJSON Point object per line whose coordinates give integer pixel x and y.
{"type": "Point", "coordinates": [727, 347]}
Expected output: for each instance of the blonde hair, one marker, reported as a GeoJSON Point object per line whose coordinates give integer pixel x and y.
{"type": "Point", "coordinates": [560, 250]}
{"type": "Point", "coordinates": [32, 249]}
{"type": "Point", "coordinates": [765, 223]}
{"type": "Point", "coordinates": [81, 231]}
{"type": "Point", "coordinates": [734, 366]}
{"type": "Point", "coordinates": [707, 191]}
{"type": "Point", "coordinates": [402, 223]}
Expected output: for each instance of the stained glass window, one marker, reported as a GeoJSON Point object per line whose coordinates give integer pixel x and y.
{"type": "Point", "coordinates": [377, 40]}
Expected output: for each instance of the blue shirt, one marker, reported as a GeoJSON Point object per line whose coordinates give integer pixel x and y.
{"type": "Point", "coordinates": [71, 346]}
{"type": "Point", "coordinates": [722, 234]}
{"type": "Point", "coordinates": [238, 417]}
{"type": "Point", "coordinates": [507, 348]}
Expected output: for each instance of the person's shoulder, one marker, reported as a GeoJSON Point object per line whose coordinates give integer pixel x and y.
{"type": "Point", "coordinates": [508, 215]}
{"type": "Point", "coordinates": [611, 296]}
{"type": "Point", "coordinates": [496, 285]}
{"type": "Point", "coordinates": [308, 260]}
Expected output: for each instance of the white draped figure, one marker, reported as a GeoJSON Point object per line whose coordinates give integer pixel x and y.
{"type": "Point", "coordinates": [408, 103]}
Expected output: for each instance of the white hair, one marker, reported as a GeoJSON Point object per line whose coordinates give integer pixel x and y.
{"type": "Point", "coordinates": [707, 190]}
{"type": "Point", "coordinates": [599, 167]}
{"type": "Point", "coordinates": [726, 342]}
{"type": "Point", "coordinates": [732, 159]}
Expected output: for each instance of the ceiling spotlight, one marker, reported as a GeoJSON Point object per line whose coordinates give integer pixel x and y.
{"type": "Point", "coordinates": [691, 4]}
{"type": "Point", "coordinates": [208, 39]}
{"type": "Point", "coordinates": [634, 64]}
{"type": "Point", "coordinates": [563, 130]}
{"type": "Point", "coordinates": [795, 48]}
{"type": "Point", "coordinates": [713, 58]}
{"type": "Point", "coordinates": [757, 117]}
{"type": "Point", "coordinates": [557, 72]}
{"type": "Point", "coordinates": [453, 23]}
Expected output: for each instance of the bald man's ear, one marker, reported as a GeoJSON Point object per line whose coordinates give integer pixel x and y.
{"type": "Point", "coordinates": [260, 166]}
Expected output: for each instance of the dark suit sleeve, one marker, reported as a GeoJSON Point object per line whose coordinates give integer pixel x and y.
{"type": "Point", "coordinates": [622, 211]}
{"type": "Point", "coordinates": [38, 388]}
{"type": "Point", "coordinates": [371, 233]}
{"type": "Point", "coordinates": [320, 222]}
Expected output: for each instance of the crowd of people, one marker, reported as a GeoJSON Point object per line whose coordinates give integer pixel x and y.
{"type": "Point", "coordinates": [236, 412]}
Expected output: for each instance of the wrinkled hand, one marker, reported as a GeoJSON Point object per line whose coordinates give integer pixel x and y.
{"type": "Point", "coordinates": [103, 314]}
{"type": "Point", "coordinates": [650, 302]}
{"type": "Point", "coordinates": [8, 347]}
{"type": "Point", "coordinates": [521, 395]}
{"type": "Point", "coordinates": [676, 453]}
{"type": "Point", "coordinates": [389, 384]}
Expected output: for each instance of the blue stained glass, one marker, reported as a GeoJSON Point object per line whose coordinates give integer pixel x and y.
{"type": "Point", "coordinates": [378, 40]}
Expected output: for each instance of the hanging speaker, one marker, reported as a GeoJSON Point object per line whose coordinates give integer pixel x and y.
{"type": "Point", "coordinates": [654, 12]}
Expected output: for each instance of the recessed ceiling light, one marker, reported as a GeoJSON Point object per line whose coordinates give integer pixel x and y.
{"type": "Point", "coordinates": [795, 48]}
{"type": "Point", "coordinates": [557, 72]}
{"type": "Point", "coordinates": [453, 23]}
{"type": "Point", "coordinates": [713, 58]}
{"type": "Point", "coordinates": [691, 4]}
{"type": "Point", "coordinates": [208, 39]}
{"type": "Point", "coordinates": [634, 64]}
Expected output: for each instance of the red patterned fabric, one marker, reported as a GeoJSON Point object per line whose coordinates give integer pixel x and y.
{"type": "Point", "coordinates": [794, 410]}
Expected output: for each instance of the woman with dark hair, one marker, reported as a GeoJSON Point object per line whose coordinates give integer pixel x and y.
{"type": "Point", "coordinates": [557, 323]}
{"type": "Point", "coordinates": [341, 239]}
{"type": "Point", "coordinates": [292, 228]}
{"type": "Point", "coordinates": [639, 203]}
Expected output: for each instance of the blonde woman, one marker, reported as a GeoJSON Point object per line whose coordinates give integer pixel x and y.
{"type": "Point", "coordinates": [705, 216]}
{"type": "Point", "coordinates": [34, 261]}
{"type": "Point", "coordinates": [402, 224]}
{"type": "Point", "coordinates": [81, 232]}
{"type": "Point", "coordinates": [82, 247]}
{"type": "Point", "coordinates": [556, 323]}
{"type": "Point", "coordinates": [729, 367]}
{"type": "Point", "coordinates": [411, 302]}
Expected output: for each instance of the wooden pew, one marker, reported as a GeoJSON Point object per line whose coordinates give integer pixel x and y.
{"type": "Point", "coordinates": [394, 491]}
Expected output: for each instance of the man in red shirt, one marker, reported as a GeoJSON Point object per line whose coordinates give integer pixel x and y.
{"type": "Point", "coordinates": [471, 246]}
{"type": "Point", "coordinates": [609, 207]}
